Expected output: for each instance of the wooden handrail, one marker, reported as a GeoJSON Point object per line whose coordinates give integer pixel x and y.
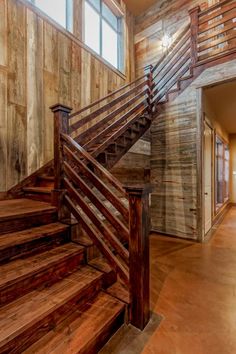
{"type": "Point", "coordinates": [97, 238]}
{"type": "Point", "coordinates": [112, 219]}
{"type": "Point", "coordinates": [103, 188]}
{"type": "Point", "coordinates": [106, 97]}
{"type": "Point", "coordinates": [213, 7]}
{"type": "Point", "coordinates": [105, 173]}
{"type": "Point", "coordinates": [172, 48]}
{"type": "Point", "coordinates": [101, 123]}
{"type": "Point", "coordinates": [106, 107]}
{"type": "Point", "coordinates": [222, 10]}
{"type": "Point", "coordinates": [140, 106]}
{"type": "Point", "coordinates": [117, 133]}
{"type": "Point", "coordinates": [114, 241]}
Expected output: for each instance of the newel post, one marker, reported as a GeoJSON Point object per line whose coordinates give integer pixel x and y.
{"type": "Point", "coordinates": [194, 23]}
{"type": "Point", "coordinates": [61, 126]}
{"type": "Point", "coordinates": [139, 255]}
{"type": "Point", "coordinates": [150, 88]}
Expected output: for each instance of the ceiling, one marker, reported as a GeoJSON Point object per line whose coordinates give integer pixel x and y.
{"type": "Point", "coordinates": [139, 6]}
{"type": "Point", "coordinates": [223, 101]}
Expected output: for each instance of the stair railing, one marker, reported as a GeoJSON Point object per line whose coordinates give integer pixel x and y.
{"type": "Point", "coordinates": [98, 201]}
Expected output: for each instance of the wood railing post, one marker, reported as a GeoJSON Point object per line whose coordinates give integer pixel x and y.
{"type": "Point", "coordinates": [139, 255]}
{"type": "Point", "coordinates": [61, 126]}
{"type": "Point", "coordinates": [194, 22]}
{"type": "Point", "coordinates": [149, 69]}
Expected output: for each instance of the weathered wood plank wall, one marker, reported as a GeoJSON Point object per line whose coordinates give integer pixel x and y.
{"type": "Point", "coordinates": [175, 159]}
{"type": "Point", "coordinates": [164, 17]}
{"type": "Point", "coordinates": [40, 65]}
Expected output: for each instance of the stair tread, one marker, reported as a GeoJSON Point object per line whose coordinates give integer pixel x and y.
{"type": "Point", "coordinates": [20, 269]}
{"type": "Point", "coordinates": [21, 237]}
{"type": "Point", "coordinates": [48, 178]}
{"type": "Point", "coordinates": [119, 291]}
{"type": "Point", "coordinates": [41, 190]}
{"type": "Point", "coordinates": [78, 331]}
{"type": "Point", "coordinates": [17, 208]}
{"type": "Point", "coordinates": [100, 264]}
{"type": "Point", "coordinates": [23, 313]}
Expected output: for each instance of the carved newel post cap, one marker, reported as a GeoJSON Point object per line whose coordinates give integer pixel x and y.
{"type": "Point", "coordinates": [194, 9]}
{"type": "Point", "coordinates": [60, 107]}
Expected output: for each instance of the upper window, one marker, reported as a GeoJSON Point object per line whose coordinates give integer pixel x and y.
{"type": "Point", "coordinates": [61, 13]}
{"type": "Point", "coordinates": [102, 31]}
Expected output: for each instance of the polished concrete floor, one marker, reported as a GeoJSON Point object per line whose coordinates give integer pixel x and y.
{"type": "Point", "coordinates": [193, 288]}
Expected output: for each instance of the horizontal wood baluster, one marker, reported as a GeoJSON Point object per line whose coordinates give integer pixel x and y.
{"type": "Point", "coordinates": [99, 137]}
{"type": "Point", "coordinates": [172, 74]}
{"type": "Point", "coordinates": [216, 33]}
{"type": "Point", "coordinates": [106, 97]}
{"type": "Point", "coordinates": [216, 52]}
{"type": "Point", "coordinates": [105, 173]}
{"type": "Point", "coordinates": [173, 55]}
{"type": "Point", "coordinates": [96, 237]}
{"type": "Point", "coordinates": [179, 42]}
{"type": "Point", "coordinates": [116, 134]}
{"type": "Point", "coordinates": [224, 9]}
{"type": "Point", "coordinates": [109, 236]}
{"type": "Point", "coordinates": [217, 42]}
{"type": "Point", "coordinates": [115, 201]}
{"type": "Point", "coordinates": [207, 26]}
{"type": "Point", "coordinates": [213, 7]}
{"type": "Point", "coordinates": [81, 137]}
{"type": "Point", "coordinates": [106, 107]}
{"type": "Point", "coordinates": [113, 220]}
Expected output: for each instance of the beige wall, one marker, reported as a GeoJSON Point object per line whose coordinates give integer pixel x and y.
{"type": "Point", "coordinates": [40, 65]}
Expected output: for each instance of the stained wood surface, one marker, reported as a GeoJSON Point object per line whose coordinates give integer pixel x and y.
{"type": "Point", "coordinates": [87, 332]}
{"type": "Point", "coordinates": [22, 319]}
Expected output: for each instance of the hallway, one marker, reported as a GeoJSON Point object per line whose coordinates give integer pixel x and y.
{"type": "Point", "coordinates": [193, 288]}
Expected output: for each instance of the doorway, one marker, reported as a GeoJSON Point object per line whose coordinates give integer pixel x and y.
{"type": "Point", "coordinates": [208, 176]}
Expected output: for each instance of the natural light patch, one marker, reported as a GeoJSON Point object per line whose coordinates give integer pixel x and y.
{"type": "Point", "coordinates": [109, 44]}
{"type": "Point", "coordinates": [92, 28]}
{"type": "Point", "coordinates": [58, 14]}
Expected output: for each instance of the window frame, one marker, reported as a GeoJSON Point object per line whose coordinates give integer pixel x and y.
{"type": "Point", "coordinates": [119, 31]}
{"type": "Point", "coordinates": [68, 13]}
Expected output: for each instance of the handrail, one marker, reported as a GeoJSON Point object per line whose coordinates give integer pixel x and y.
{"type": "Point", "coordinates": [110, 116]}
{"type": "Point", "coordinates": [213, 7]}
{"type": "Point", "coordinates": [172, 47]}
{"type": "Point", "coordinates": [106, 174]}
{"type": "Point", "coordinates": [104, 108]}
{"type": "Point", "coordinates": [106, 97]}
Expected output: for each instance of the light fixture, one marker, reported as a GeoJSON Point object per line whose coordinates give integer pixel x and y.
{"type": "Point", "coordinates": [166, 41]}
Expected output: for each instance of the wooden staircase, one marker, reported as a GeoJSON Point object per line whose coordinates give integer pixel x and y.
{"type": "Point", "coordinates": [51, 299]}
{"type": "Point", "coordinates": [75, 230]}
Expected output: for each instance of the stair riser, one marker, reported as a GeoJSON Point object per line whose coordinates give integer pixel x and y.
{"type": "Point", "coordinates": [39, 197]}
{"type": "Point", "coordinates": [45, 183]}
{"type": "Point", "coordinates": [34, 247]}
{"type": "Point", "coordinates": [27, 222]}
{"type": "Point", "coordinates": [99, 341]}
{"type": "Point", "coordinates": [44, 325]}
{"type": "Point", "coordinates": [46, 277]}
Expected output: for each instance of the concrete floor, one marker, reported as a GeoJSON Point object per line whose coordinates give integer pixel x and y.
{"type": "Point", "coordinates": [193, 289]}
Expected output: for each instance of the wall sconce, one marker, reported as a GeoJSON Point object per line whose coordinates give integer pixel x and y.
{"type": "Point", "coordinates": [166, 41]}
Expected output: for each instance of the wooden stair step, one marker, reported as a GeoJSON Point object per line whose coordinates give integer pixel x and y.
{"type": "Point", "coordinates": [28, 318]}
{"type": "Point", "coordinates": [101, 264]}
{"type": "Point", "coordinates": [45, 181]}
{"type": "Point", "coordinates": [86, 331]}
{"type": "Point", "coordinates": [38, 193]}
{"type": "Point", "coordinates": [23, 275]}
{"type": "Point", "coordinates": [37, 238]}
{"type": "Point", "coordinates": [119, 291]}
{"type": "Point", "coordinates": [20, 214]}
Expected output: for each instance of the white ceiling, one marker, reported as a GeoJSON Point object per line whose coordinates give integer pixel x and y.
{"type": "Point", "coordinates": [223, 101]}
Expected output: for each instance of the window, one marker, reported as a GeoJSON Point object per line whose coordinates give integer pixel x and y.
{"type": "Point", "coordinates": [222, 173]}
{"type": "Point", "coordinates": [103, 32]}
{"type": "Point", "coordinates": [60, 11]}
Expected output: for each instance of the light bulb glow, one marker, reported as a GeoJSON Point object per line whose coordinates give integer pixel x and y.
{"type": "Point", "coordinates": [166, 41]}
